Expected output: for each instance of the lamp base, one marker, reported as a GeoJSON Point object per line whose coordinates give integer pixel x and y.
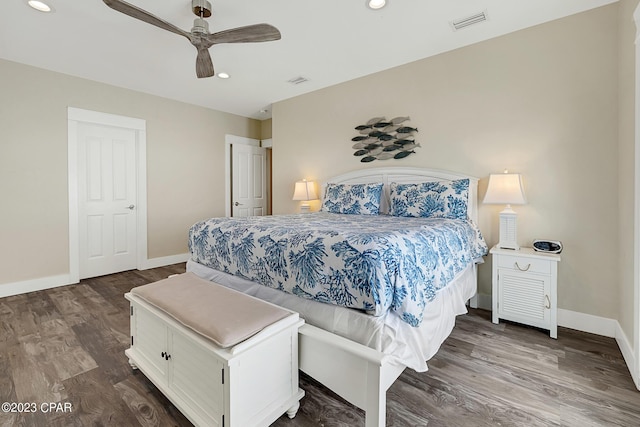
{"type": "Point", "coordinates": [305, 208]}
{"type": "Point", "coordinates": [508, 229]}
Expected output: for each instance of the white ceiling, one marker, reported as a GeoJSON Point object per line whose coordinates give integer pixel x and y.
{"type": "Point", "coordinates": [327, 42]}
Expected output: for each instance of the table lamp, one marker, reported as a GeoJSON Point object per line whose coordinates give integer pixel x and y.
{"type": "Point", "coordinates": [506, 189]}
{"type": "Point", "coordinates": [305, 191]}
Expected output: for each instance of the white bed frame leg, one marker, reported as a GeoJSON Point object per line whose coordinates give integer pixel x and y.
{"type": "Point", "coordinates": [359, 374]}
{"type": "Point", "coordinates": [376, 405]}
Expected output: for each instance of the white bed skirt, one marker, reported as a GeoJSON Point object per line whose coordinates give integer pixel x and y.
{"type": "Point", "coordinates": [408, 345]}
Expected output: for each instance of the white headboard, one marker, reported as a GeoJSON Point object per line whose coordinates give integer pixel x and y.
{"type": "Point", "coordinates": [407, 175]}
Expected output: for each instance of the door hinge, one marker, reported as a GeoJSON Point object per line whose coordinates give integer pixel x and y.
{"type": "Point", "coordinates": [223, 420]}
{"type": "Point", "coordinates": [132, 310]}
{"type": "Point", "coordinates": [222, 375]}
{"type": "Point", "coordinates": [131, 340]}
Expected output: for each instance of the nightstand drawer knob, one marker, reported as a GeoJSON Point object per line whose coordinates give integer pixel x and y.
{"type": "Point", "coordinates": [522, 269]}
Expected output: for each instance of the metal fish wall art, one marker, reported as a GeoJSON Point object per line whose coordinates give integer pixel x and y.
{"type": "Point", "coordinates": [382, 139]}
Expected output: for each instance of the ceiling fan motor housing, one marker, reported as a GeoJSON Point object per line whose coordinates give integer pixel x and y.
{"type": "Point", "coordinates": [200, 26]}
{"type": "Point", "coordinates": [201, 8]}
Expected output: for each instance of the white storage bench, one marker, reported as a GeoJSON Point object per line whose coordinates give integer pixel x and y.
{"type": "Point", "coordinates": [222, 357]}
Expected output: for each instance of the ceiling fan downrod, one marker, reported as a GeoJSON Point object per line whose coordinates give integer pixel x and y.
{"type": "Point", "coordinates": [201, 8]}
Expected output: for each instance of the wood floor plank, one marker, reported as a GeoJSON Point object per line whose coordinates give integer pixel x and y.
{"type": "Point", "coordinates": [145, 407]}
{"type": "Point", "coordinates": [67, 345]}
{"type": "Point", "coordinates": [96, 402]}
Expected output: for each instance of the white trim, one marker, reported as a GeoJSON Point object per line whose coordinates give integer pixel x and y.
{"type": "Point", "coordinates": [587, 323]}
{"type": "Point", "coordinates": [100, 118]}
{"type": "Point", "coordinates": [163, 261]}
{"type": "Point", "coordinates": [72, 178]}
{"type": "Point", "coordinates": [32, 285]}
{"type": "Point", "coordinates": [75, 116]}
{"type": "Point", "coordinates": [229, 140]}
{"type": "Point", "coordinates": [626, 349]}
{"type": "Point", "coordinates": [635, 367]}
{"type": "Point", "coordinates": [267, 143]}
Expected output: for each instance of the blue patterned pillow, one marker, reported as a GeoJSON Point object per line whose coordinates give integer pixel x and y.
{"type": "Point", "coordinates": [358, 199]}
{"type": "Point", "coordinates": [447, 199]}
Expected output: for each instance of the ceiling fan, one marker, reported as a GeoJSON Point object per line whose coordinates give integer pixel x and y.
{"type": "Point", "coordinates": [199, 36]}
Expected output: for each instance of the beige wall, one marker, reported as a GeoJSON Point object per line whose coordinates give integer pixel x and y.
{"type": "Point", "coordinates": [542, 101]}
{"type": "Point", "coordinates": [265, 126]}
{"type": "Point", "coordinates": [626, 163]}
{"type": "Point", "coordinates": [185, 165]}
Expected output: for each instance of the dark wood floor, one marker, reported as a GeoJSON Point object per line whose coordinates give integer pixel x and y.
{"type": "Point", "coordinates": [66, 346]}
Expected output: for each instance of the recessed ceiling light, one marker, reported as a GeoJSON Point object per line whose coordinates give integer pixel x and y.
{"type": "Point", "coordinates": [223, 75]}
{"type": "Point", "coordinates": [376, 4]}
{"type": "Point", "coordinates": [40, 6]}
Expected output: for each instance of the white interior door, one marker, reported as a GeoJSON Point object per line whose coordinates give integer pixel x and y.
{"type": "Point", "coordinates": [249, 176]}
{"type": "Point", "coordinates": [106, 199]}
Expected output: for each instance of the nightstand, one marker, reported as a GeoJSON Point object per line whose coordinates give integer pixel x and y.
{"type": "Point", "coordinates": [525, 287]}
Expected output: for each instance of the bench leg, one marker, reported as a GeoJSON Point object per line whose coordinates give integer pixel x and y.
{"type": "Point", "coordinates": [133, 364]}
{"type": "Point", "coordinates": [293, 410]}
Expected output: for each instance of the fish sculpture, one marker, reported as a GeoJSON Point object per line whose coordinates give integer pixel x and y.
{"type": "Point", "coordinates": [402, 154]}
{"type": "Point", "coordinates": [374, 120]}
{"type": "Point", "coordinates": [359, 145]}
{"type": "Point", "coordinates": [382, 139]}
{"type": "Point", "coordinates": [385, 155]}
{"type": "Point", "coordinates": [381, 125]}
{"type": "Point", "coordinates": [398, 120]}
{"type": "Point", "coordinates": [406, 129]}
{"type": "Point", "coordinates": [405, 141]}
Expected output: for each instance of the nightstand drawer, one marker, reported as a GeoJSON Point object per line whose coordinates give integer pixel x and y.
{"type": "Point", "coordinates": [519, 263]}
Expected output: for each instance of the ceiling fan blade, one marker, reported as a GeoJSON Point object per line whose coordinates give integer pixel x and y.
{"type": "Point", "coordinates": [143, 15]}
{"type": "Point", "coordinates": [248, 34]}
{"type": "Point", "coordinates": [204, 65]}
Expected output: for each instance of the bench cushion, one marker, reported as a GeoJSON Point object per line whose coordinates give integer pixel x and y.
{"type": "Point", "coordinates": [223, 315]}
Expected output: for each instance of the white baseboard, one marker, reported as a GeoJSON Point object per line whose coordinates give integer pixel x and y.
{"type": "Point", "coordinates": [165, 260]}
{"type": "Point", "coordinates": [627, 353]}
{"type": "Point", "coordinates": [17, 288]}
{"type": "Point", "coordinates": [587, 323]}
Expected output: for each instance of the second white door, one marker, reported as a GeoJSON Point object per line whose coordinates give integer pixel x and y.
{"type": "Point", "coordinates": [106, 199]}
{"type": "Point", "coordinates": [249, 189]}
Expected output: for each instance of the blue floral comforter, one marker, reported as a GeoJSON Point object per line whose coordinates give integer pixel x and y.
{"type": "Point", "coordinates": [370, 262]}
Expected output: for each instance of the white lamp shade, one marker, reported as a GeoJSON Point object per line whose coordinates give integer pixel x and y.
{"type": "Point", "coordinates": [305, 190]}
{"type": "Point", "coordinates": [505, 189]}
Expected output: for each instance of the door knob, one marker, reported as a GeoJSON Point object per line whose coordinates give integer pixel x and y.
{"type": "Point", "coordinates": [237, 204]}
{"type": "Point", "coordinates": [130, 207]}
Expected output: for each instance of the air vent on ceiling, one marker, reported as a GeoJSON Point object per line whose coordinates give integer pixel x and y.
{"type": "Point", "coordinates": [477, 18]}
{"type": "Point", "coordinates": [297, 80]}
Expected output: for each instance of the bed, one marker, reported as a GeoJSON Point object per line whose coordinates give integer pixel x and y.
{"type": "Point", "coordinates": [378, 278]}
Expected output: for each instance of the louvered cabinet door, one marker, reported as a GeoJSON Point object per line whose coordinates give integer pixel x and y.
{"type": "Point", "coordinates": [196, 377]}
{"type": "Point", "coordinates": [524, 298]}
{"type": "Point", "coordinates": [525, 288]}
